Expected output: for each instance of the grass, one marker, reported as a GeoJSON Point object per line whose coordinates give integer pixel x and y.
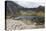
{"type": "Point", "coordinates": [31, 13]}
{"type": "Point", "coordinates": [27, 13]}
{"type": "Point", "coordinates": [28, 22]}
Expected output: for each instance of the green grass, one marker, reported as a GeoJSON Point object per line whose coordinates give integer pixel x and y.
{"type": "Point", "coordinates": [27, 13]}
{"type": "Point", "coordinates": [28, 22]}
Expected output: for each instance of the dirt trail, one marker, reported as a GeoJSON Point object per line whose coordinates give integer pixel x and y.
{"type": "Point", "coordinates": [18, 25]}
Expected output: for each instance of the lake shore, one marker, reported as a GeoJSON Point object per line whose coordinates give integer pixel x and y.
{"type": "Point", "coordinates": [18, 25]}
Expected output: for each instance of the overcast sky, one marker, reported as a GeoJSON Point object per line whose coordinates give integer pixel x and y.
{"type": "Point", "coordinates": [30, 3]}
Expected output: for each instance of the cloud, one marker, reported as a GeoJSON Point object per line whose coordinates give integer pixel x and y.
{"type": "Point", "coordinates": [30, 0]}
{"type": "Point", "coordinates": [30, 3]}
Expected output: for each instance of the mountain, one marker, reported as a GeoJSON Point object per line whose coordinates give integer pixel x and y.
{"type": "Point", "coordinates": [12, 7]}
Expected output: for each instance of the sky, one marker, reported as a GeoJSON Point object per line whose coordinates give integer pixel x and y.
{"type": "Point", "coordinates": [30, 3]}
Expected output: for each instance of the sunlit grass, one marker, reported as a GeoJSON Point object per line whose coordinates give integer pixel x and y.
{"type": "Point", "coordinates": [32, 13]}
{"type": "Point", "coordinates": [28, 22]}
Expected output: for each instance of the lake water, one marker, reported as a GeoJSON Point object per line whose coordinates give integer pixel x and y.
{"type": "Point", "coordinates": [28, 17]}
